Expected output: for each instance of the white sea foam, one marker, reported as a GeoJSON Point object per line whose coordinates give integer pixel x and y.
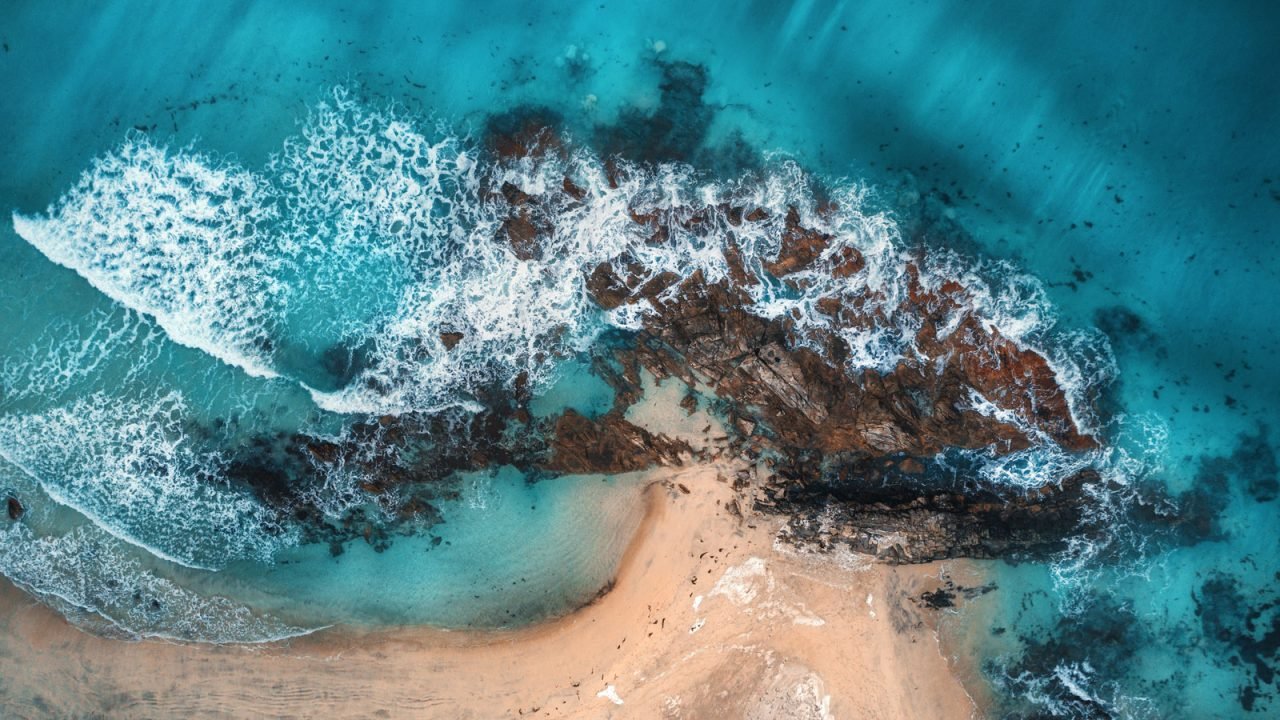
{"type": "Point", "coordinates": [372, 234]}
{"type": "Point", "coordinates": [1136, 453]}
{"type": "Point", "coordinates": [92, 579]}
{"type": "Point", "coordinates": [109, 586]}
{"type": "Point", "coordinates": [68, 352]}
{"type": "Point", "coordinates": [172, 235]}
{"type": "Point", "coordinates": [129, 467]}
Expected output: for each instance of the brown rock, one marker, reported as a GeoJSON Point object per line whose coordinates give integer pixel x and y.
{"type": "Point", "coordinates": [608, 289]}
{"type": "Point", "coordinates": [451, 339]}
{"type": "Point", "coordinates": [800, 247]}
{"type": "Point", "coordinates": [690, 403]}
{"type": "Point", "coordinates": [737, 265]}
{"type": "Point", "coordinates": [608, 445]}
{"type": "Point", "coordinates": [573, 190]}
{"type": "Point", "coordinates": [323, 451]}
{"type": "Point", "coordinates": [849, 262]}
{"type": "Point", "coordinates": [522, 234]}
{"type": "Point", "coordinates": [808, 401]}
{"type": "Point", "coordinates": [515, 195]}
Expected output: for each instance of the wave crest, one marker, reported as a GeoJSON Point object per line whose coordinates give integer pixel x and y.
{"type": "Point", "coordinates": [346, 261]}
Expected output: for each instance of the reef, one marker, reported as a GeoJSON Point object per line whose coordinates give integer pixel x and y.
{"type": "Point", "coordinates": [863, 458]}
{"type": "Point", "coordinates": [851, 459]}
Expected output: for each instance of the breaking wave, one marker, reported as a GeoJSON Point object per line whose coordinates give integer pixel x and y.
{"type": "Point", "coordinates": [131, 468]}
{"type": "Point", "coordinates": [107, 586]}
{"type": "Point", "coordinates": [341, 262]}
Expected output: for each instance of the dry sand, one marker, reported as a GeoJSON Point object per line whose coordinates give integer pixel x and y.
{"type": "Point", "coordinates": [706, 619]}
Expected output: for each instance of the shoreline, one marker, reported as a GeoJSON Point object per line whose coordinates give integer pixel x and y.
{"type": "Point", "coordinates": [705, 616]}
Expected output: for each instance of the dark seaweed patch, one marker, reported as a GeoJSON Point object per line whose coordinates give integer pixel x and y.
{"type": "Point", "coordinates": [1126, 329]}
{"type": "Point", "coordinates": [1242, 625]}
{"type": "Point", "coordinates": [675, 130]}
{"type": "Point", "coordinates": [1247, 628]}
{"type": "Point", "coordinates": [345, 361]}
{"type": "Point", "coordinates": [1251, 467]}
{"type": "Point", "coordinates": [1104, 638]}
{"type": "Point", "coordinates": [945, 595]}
{"type": "Point", "coordinates": [515, 132]}
{"type": "Point", "coordinates": [1194, 515]}
{"type": "Point", "coordinates": [1255, 459]}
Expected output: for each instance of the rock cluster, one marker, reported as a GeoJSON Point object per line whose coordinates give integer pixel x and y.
{"type": "Point", "coordinates": [850, 458]}
{"type": "Point", "coordinates": [609, 445]}
{"type": "Point", "coordinates": [802, 406]}
{"type": "Point", "coordinates": [930, 518]}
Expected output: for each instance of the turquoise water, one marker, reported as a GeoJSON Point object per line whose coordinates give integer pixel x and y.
{"type": "Point", "coordinates": [1125, 156]}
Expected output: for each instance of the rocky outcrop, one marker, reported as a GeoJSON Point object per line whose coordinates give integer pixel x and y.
{"type": "Point", "coordinates": [922, 521]}
{"type": "Point", "coordinates": [801, 404]}
{"type": "Point", "coordinates": [609, 445]}
{"type": "Point", "coordinates": [785, 392]}
{"type": "Point", "coordinates": [809, 401]}
{"type": "Point", "coordinates": [524, 224]}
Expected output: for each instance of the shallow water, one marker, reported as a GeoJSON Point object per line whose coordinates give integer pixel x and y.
{"type": "Point", "coordinates": [1124, 156]}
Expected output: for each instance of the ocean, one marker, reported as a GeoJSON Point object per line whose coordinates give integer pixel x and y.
{"type": "Point", "coordinates": [217, 243]}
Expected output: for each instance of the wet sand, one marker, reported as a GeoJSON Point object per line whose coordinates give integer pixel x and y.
{"type": "Point", "coordinates": [706, 618]}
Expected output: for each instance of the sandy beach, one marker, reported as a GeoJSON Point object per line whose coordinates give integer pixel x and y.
{"type": "Point", "coordinates": [706, 619]}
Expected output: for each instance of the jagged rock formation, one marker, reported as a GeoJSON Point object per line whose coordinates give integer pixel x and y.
{"type": "Point", "coordinates": [851, 456]}
{"type": "Point", "coordinates": [829, 428]}
{"type": "Point", "coordinates": [801, 403]}
{"type": "Point", "coordinates": [903, 511]}
{"type": "Point", "coordinates": [609, 445]}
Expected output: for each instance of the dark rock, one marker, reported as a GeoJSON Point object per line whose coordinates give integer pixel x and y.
{"type": "Point", "coordinates": [451, 339]}
{"type": "Point", "coordinates": [800, 247]}
{"type": "Point", "coordinates": [878, 510]}
{"type": "Point", "coordinates": [14, 506]}
{"type": "Point", "coordinates": [525, 223]}
{"type": "Point", "coordinates": [609, 445]}
{"type": "Point", "coordinates": [690, 403]}
{"type": "Point", "coordinates": [325, 452]}
{"type": "Point", "coordinates": [945, 595]}
{"type": "Point", "coordinates": [573, 190]}
{"type": "Point", "coordinates": [523, 132]}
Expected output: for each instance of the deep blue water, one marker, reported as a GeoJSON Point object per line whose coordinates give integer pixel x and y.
{"type": "Point", "coordinates": [1124, 155]}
